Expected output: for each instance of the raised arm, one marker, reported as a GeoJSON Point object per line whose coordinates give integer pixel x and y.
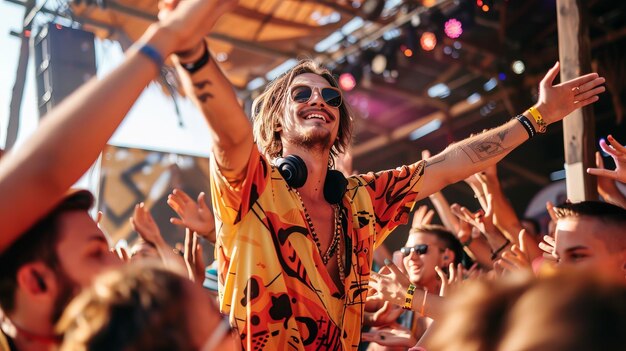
{"type": "Point", "coordinates": [214, 95]}
{"type": "Point", "coordinates": [462, 159]}
{"type": "Point", "coordinates": [69, 139]}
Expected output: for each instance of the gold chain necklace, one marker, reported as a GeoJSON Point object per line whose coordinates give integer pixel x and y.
{"type": "Point", "coordinates": [335, 244]}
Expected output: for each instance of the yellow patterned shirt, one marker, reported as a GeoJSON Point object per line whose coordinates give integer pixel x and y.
{"type": "Point", "coordinates": [272, 281]}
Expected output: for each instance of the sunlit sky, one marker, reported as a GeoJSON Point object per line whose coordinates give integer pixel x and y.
{"type": "Point", "coordinates": [151, 124]}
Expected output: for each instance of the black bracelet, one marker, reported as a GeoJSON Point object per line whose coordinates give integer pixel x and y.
{"type": "Point", "coordinates": [530, 129]}
{"type": "Point", "coordinates": [193, 67]}
{"type": "Point", "coordinates": [495, 254]}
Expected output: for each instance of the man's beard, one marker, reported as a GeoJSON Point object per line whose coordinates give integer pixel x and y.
{"type": "Point", "coordinates": [313, 140]}
{"type": "Point", "coordinates": [67, 290]}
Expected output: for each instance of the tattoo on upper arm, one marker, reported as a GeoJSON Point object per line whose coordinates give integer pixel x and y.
{"type": "Point", "coordinates": [205, 96]}
{"type": "Point", "coordinates": [434, 160]}
{"type": "Point", "coordinates": [202, 84]}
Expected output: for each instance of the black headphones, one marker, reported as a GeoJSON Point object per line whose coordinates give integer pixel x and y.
{"type": "Point", "coordinates": [294, 171]}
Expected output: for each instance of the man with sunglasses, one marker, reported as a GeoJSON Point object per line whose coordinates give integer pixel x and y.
{"type": "Point", "coordinates": [426, 248]}
{"type": "Point", "coordinates": [294, 266]}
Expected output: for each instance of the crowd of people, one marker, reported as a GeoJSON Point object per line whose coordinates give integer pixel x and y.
{"type": "Point", "coordinates": [296, 240]}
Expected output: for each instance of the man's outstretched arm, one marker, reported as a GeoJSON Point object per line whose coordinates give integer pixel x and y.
{"type": "Point", "coordinates": [472, 155]}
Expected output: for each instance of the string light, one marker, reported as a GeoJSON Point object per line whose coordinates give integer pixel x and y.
{"type": "Point", "coordinates": [347, 82]}
{"type": "Point", "coordinates": [453, 28]}
{"type": "Point", "coordinates": [428, 41]}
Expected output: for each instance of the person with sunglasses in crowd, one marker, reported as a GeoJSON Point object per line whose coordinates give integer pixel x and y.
{"type": "Point", "coordinates": [294, 237]}
{"type": "Point", "coordinates": [427, 254]}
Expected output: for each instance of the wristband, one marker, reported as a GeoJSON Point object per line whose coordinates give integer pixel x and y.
{"type": "Point", "coordinates": [193, 67]}
{"type": "Point", "coordinates": [495, 254]}
{"type": "Point", "coordinates": [150, 52]}
{"type": "Point", "coordinates": [527, 125]}
{"type": "Point", "coordinates": [538, 119]}
{"type": "Point", "coordinates": [408, 298]}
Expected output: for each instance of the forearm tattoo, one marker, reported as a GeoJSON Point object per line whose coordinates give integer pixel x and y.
{"type": "Point", "coordinates": [486, 147]}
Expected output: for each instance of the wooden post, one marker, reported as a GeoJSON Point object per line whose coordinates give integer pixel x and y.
{"type": "Point", "coordinates": [579, 126]}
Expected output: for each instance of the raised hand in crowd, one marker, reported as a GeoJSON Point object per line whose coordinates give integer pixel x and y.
{"type": "Point", "coordinates": [194, 259]}
{"type": "Point", "coordinates": [474, 243]}
{"type": "Point", "coordinates": [518, 257]}
{"type": "Point", "coordinates": [422, 216]}
{"type": "Point", "coordinates": [547, 246]}
{"type": "Point", "coordinates": [122, 253]}
{"type": "Point", "coordinates": [451, 280]}
{"type": "Point", "coordinates": [607, 187]}
{"type": "Point", "coordinates": [391, 284]}
{"type": "Point", "coordinates": [143, 223]}
{"type": "Point", "coordinates": [504, 216]}
{"type": "Point", "coordinates": [618, 152]}
{"type": "Point", "coordinates": [484, 222]}
{"type": "Point", "coordinates": [196, 216]}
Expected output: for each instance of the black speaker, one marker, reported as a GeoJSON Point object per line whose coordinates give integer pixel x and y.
{"type": "Point", "coordinates": [65, 58]}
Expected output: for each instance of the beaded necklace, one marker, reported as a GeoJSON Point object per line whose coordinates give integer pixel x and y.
{"type": "Point", "coordinates": [335, 245]}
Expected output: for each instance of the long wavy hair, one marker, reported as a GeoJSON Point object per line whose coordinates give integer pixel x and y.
{"type": "Point", "coordinates": [268, 109]}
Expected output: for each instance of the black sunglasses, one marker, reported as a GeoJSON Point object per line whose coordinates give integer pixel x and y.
{"type": "Point", "coordinates": [302, 94]}
{"type": "Point", "coordinates": [420, 249]}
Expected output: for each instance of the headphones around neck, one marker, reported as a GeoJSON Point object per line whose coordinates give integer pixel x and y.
{"type": "Point", "coordinates": [294, 171]}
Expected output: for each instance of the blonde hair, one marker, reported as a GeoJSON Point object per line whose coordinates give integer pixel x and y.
{"type": "Point", "coordinates": [267, 111]}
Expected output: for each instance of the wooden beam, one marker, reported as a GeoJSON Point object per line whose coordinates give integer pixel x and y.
{"type": "Point", "coordinates": [579, 126]}
{"type": "Point", "coordinates": [416, 99]}
{"type": "Point", "coordinates": [404, 131]}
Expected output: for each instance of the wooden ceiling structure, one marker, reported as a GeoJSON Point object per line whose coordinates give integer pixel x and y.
{"type": "Point", "coordinates": [261, 35]}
